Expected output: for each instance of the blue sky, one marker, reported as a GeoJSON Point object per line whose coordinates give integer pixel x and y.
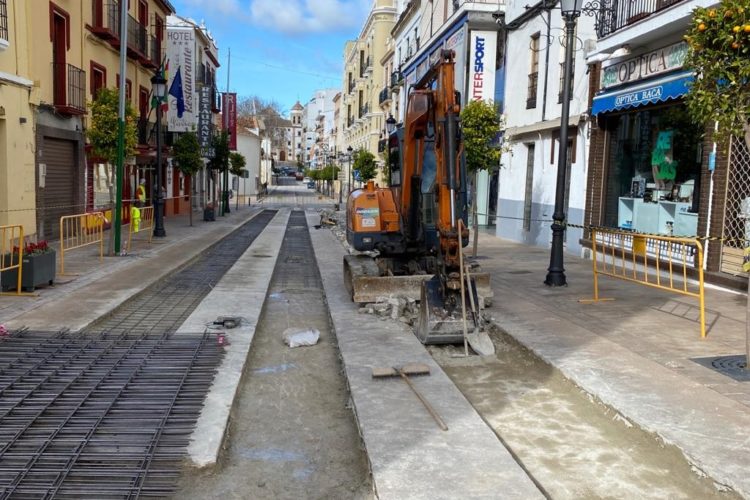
{"type": "Point", "coordinates": [281, 49]}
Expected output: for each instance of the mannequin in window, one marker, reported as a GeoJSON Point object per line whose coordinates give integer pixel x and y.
{"type": "Point", "coordinates": [663, 166]}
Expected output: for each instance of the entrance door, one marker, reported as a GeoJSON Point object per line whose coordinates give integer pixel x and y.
{"type": "Point", "coordinates": [59, 194]}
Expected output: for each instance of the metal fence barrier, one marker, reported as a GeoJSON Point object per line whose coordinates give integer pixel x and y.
{"type": "Point", "coordinates": [80, 230]}
{"type": "Point", "coordinates": [145, 222]}
{"type": "Point", "coordinates": [11, 236]}
{"type": "Point", "coordinates": [657, 261]}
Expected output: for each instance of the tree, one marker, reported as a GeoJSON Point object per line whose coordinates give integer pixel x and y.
{"type": "Point", "coordinates": [364, 163]}
{"type": "Point", "coordinates": [103, 134]}
{"type": "Point", "coordinates": [220, 161]}
{"type": "Point", "coordinates": [237, 162]}
{"type": "Point", "coordinates": [186, 153]}
{"type": "Point", "coordinates": [719, 50]}
{"type": "Point", "coordinates": [481, 124]}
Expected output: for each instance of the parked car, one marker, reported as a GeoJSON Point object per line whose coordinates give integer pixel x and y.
{"type": "Point", "coordinates": [300, 176]}
{"type": "Point", "coordinates": [310, 184]}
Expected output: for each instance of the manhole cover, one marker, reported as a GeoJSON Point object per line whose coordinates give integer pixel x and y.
{"type": "Point", "coordinates": [731, 366]}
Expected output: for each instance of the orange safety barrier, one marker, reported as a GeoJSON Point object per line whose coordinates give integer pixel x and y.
{"type": "Point", "coordinates": [141, 219]}
{"type": "Point", "coordinates": [657, 261]}
{"type": "Point", "coordinates": [77, 231]}
{"type": "Point", "coordinates": [10, 237]}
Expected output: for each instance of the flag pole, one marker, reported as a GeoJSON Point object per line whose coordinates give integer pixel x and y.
{"type": "Point", "coordinates": [120, 167]}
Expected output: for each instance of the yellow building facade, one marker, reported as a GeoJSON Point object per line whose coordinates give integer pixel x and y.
{"type": "Point", "coordinates": [361, 118]}
{"type": "Point", "coordinates": [59, 53]}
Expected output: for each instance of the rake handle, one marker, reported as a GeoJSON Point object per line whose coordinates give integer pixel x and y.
{"type": "Point", "coordinates": [426, 404]}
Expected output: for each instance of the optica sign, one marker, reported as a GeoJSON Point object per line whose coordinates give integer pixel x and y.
{"type": "Point", "coordinates": [481, 85]}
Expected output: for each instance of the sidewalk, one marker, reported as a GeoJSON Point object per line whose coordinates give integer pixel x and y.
{"type": "Point", "coordinates": [640, 354]}
{"type": "Point", "coordinates": [93, 288]}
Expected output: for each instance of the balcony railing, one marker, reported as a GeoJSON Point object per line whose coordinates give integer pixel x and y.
{"type": "Point", "coordinates": [385, 96]}
{"type": "Point", "coordinates": [531, 96]}
{"type": "Point", "coordinates": [136, 37]}
{"type": "Point", "coordinates": [69, 89]}
{"type": "Point", "coordinates": [396, 78]}
{"type": "Point", "coordinates": [351, 87]}
{"type": "Point", "coordinates": [614, 15]}
{"type": "Point", "coordinates": [154, 52]}
{"type": "Point", "coordinates": [145, 130]}
{"type": "Point", "coordinates": [106, 19]}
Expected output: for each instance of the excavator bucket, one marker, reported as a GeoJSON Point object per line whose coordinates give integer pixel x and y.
{"type": "Point", "coordinates": [365, 284]}
{"type": "Point", "coordinates": [437, 324]}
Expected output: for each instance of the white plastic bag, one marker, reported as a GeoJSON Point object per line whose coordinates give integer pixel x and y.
{"type": "Point", "coordinates": [296, 337]}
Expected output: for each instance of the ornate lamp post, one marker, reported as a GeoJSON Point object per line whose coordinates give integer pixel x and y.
{"type": "Point", "coordinates": [390, 125]}
{"type": "Point", "coordinates": [571, 10]}
{"type": "Point", "coordinates": [159, 87]}
{"type": "Point", "coordinates": [349, 151]}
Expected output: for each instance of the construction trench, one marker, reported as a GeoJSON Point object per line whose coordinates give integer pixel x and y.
{"type": "Point", "coordinates": [109, 412]}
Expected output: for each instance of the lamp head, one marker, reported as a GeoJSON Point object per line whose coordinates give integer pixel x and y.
{"type": "Point", "coordinates": [390, 124]}
{"type": "Point", "coordinates": [159, 85]}
{"type": "Point", "coordinates": [571, 8]}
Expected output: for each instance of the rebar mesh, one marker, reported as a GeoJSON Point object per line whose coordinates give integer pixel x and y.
{"type": "Point", "coordinates": [736, 227]}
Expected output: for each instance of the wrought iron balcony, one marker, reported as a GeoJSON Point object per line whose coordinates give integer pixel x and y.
{"type": "Point", "coordinates": [69, 89]}
{"type": "Point", "coordinates": [3, 21]}
{"type": "Point", "coordinates": [614, 15]}
{"type": "Point", "coordinates": [146, 131]}
{"type": "Point", "coordinates": [396, 78]}
{"type": "Point", "coordinates": [136, 38]}
{"type": "Point", "coordinates": [154, 52]}
{"type": "Point", "coordinates": [106, 20]}
{"type": "Point", "coordinates": [385, 96]}
{"type": "Point", "coordinates": [562, 82]}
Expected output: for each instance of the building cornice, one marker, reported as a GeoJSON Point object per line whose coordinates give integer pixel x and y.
{"type": "Point", "coordinates": [12, 79]}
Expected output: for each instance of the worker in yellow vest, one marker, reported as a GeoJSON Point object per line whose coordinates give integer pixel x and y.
{"type": "Point", "coordinates": [140, 194]}
{"type": "Point", "coordinates": [135, 218]}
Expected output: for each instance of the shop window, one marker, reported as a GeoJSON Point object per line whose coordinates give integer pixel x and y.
{"type": "Point", "coordinates": [533, 72]}
{"type": "Point", "coordinates": [528, 200]}
{"type": "Point", "coordinates": [653, 170]}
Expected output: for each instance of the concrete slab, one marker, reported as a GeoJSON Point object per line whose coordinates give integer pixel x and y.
{"type": "Point", "coordinates": [632, 354]}
{"type": "Point", "coordinates": [410, 456]}
{"type": "Point", "coordinates": [241, 292]}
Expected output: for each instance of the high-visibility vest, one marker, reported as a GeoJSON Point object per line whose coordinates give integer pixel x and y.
{"type": "Point", "coordinates": [140, 193]}
{"type": "Point", "coordinates": [135, 218]}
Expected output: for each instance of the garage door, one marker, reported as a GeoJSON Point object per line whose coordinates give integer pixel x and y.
{"type": "Point", "coordinates": [58, 198]}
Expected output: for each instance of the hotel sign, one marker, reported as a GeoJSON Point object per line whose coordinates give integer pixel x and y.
{"type": "Point", "coordinates": [645, 65]}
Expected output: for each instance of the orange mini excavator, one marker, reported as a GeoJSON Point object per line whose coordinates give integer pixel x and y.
{"type": "Point", "coordinates": [412, 226]}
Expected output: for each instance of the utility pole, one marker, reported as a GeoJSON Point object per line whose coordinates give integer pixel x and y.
{"type": "Point", "coordinates": [120, 167]}
{"type": "Point", "coordinates": [225, 196]}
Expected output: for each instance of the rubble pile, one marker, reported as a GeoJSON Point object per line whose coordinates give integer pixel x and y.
{"type": "Point", "coordinates": [403, 309]}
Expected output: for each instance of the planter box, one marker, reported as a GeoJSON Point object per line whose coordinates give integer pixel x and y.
{"type": "Point", "coordinates": [37, 270]}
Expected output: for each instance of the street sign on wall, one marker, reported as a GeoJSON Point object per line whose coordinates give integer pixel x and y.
{"type": "Point", "coordinates": [205, 127]}
{"type": "Point", "coordinates": [180, 79]}
{"type": "Point", "coordinates": [229, 110]}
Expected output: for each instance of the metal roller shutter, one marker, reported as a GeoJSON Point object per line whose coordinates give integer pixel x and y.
{"type": "Point", "coordinates": [59, 193]}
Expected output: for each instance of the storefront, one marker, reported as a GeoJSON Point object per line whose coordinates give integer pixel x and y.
{"type": "Point", "coordinates": [652, 170]}
{"type": "Point", "coordinates": [651, 176]}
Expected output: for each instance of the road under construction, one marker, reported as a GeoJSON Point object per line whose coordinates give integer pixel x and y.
{"type": "Point", "coordinates": [186, 389]}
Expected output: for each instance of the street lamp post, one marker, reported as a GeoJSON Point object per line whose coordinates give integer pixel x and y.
{"type": "Point", "coordinates": [570, 10]}
{"type": "Point", "coordinates": [349, 152]}
{"type": "Point", "coordinates": [159, 85]}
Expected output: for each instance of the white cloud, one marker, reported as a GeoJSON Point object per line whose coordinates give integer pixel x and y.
{"type": "Point", "coordinates": [230, 7]}
{"type": "Point", "coordinates": [308, 16]}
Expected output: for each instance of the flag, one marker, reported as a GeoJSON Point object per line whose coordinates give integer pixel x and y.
{"type": "Point", "coordinates": [154, 99]}
{"type": "Point", "coordinates": [175, 90]}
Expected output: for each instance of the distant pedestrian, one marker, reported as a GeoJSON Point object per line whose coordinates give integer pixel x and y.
{"type": "Point", "coordinates": [140, 194]}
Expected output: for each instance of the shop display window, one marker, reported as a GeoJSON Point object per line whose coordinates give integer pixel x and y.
{"type": "Point", "coordinates": [653, 170]}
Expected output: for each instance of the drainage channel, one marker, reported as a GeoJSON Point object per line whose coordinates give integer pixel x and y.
{"type": "Point", "coordinates": [292, 432]}
{"type": "Point", "coordinates": [108, 412]}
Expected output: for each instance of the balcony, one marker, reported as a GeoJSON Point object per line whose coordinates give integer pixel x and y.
{"type": "Point", "coordinates": [351, 87]}
{"type": "Point", "coordinates": [385, 96]}
{"type": "Point", "coordinates": [136, 39]}
{"type": "Point", "coordinates": [146, 131]}
{"type": "Point", "coordinates": [106, 18]}
{"type": "Point", "coordinates": [3, 25]}
{"type": "Point", "coordinates": [69, 89]}
{"type": "Point", "coordinates": [615, 15]}
{"type": "Point", "coordinates": [532, 91]}
{"type": "Point", "coordinates": [153, 60]}
{"type": "Point", "coordinates": [396, 79]}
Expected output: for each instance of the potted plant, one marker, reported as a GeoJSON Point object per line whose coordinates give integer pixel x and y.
{"type": "Point", "coordinates": [39, 267]}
